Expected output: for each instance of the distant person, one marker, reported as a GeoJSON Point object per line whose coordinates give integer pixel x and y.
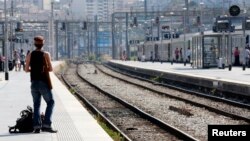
{"type": "Point", "coordinates": [151, 56]}
{"type": "Point", "coordinates": [236, 56]}
{"type": "Point", "coordinates": [124, 57]}
{"type": "Point", "coordinates": [1, 63]}
{"type": "Point", "coordinates": [247, 56]}
{"type": "Point", "coordinates": [181, 56]}
{"type": "Point", "coordinates": [39, 86]}
{"type": "Point", "coordinates": [16, 60]}
{"type": "Point", "coordinates": [156, 53]}
{"type": "Point", "coordinates": [188, 54]}
{"type": "Point", "coordinates": [156, 57]}
{"type": "Point", "coordinates": [22, 60]}
{"type": "Point", "coordinates": [176, 54]}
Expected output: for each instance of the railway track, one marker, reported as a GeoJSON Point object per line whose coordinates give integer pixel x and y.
{"type": "Point", "coordinates": [130, 121]}
{"type": "Point", "coordinates": [227, 107]}
{"type": "Point", "coordinates": [166, 108]}
{"type": "Point", "coordinates": [220, 98]}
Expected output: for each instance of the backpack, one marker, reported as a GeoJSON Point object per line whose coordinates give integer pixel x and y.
{"type": "Point", "coordinates": [24, 124]}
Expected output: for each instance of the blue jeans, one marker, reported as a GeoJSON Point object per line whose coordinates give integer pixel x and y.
{"type": "Point", "coordinates": [40, 89]}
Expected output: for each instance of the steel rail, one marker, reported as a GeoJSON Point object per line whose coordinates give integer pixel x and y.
{"type": "Point", "coordinates": [235, 103]}
{"type": "Point", "coordinates": [234, 116]}
{"type": "Point", "coordinates": [228, 101]}
{"type": "Point", "coordinates": [169, 128]}
{"type": "Point", "coordinates": [95, 110]}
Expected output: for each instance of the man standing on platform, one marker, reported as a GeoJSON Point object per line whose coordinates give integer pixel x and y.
{"type": "Point", "coordinates": [188, 54]}
{"type": "Point", "coordinates": [176, 54]}
{"type": "Point", "coordinates": [22, 59]}
{"type": "Point", "coordinates": [247, 56]}
{"type": "Point", "coordinates": [236, 56]}
{"type": "Point", "coordinates": [35, 64]}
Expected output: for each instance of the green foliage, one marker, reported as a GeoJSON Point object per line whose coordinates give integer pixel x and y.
{"type": "Point", "coordinates": [116, 136]}
{"type": "Point", "coordinates": [72, 91]}
{"type": "Point", "coordinates": [91, 57]}
{"type": "Point", "coordinates": [157, 78]}
{"type": "Point", "coordinates": [213, 91]}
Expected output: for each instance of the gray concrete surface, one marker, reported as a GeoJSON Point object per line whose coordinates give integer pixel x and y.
{"type": "Point", "coordinates": [73, 122]}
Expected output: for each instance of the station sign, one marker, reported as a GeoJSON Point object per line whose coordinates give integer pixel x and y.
{"type": "Point", "coordinates": [152, 38]}
{"type": "Point", "coordinates": [165, 27]}
{"type": "Point", "coordinates": [223, 25]}
{"type": "Point", "coordinates": [167, 35]}
{"type": "Point", "coordinates": [18, 39]}
{"type": "Point", "coordinates": [134, 42]}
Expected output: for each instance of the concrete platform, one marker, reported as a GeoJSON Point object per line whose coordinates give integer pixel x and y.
{"type": "Point", "coordinates": [72, 120]}
{"type": "Point", "coordinates": [235, 81]}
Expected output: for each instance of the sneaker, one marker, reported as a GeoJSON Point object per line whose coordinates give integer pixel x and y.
{"type": "Point", "coordinates": [37, 130]}
{"type": "Point", "coordinates": [44, 129]}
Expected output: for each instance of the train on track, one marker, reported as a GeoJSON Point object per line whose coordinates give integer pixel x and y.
{"type": "Point", "coordinates": [204, 50]}
{"type": "Point", "coordinates": [162, 51]}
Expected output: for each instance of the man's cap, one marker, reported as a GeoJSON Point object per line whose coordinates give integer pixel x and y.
{"type": "Point", "coordinates": [39, 40]}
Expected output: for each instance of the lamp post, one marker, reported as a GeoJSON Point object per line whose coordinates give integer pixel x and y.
{"type": "Point", "coordinates": [171, 37]}
{"type": "Point", "coordinates": [11, 30]}
{"type": "Point", "coordinates": [201, 17]}
{"type": "Point", "coordinates": [126, 37]}
{"type": "Point", "coordinates": [161, 44]}
{"type": "Point", "coordinates": [244, 38]}
{"type": "Point", "coordinates": [66, 12]}
{"type": "Point", "coordinates": [96, 37]}
{"type": "Point", "coordinates": [184, 29]}
{"type": "Point", "coordinates": [51, 32]}
{"type": "Point", "coordinates": [187, 10]}
{"type": "Point", "coordinates": [152, 39]}
{"type": "Point", "coordinates": [145, 8]}
{"type": "Point", "coordinates": [223, 10]}
{"type": "Point", "coordinates": [6, 64]}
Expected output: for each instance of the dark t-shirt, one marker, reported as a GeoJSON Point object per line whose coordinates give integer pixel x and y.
{"type": "Point", "coordinates": [36, 64]}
